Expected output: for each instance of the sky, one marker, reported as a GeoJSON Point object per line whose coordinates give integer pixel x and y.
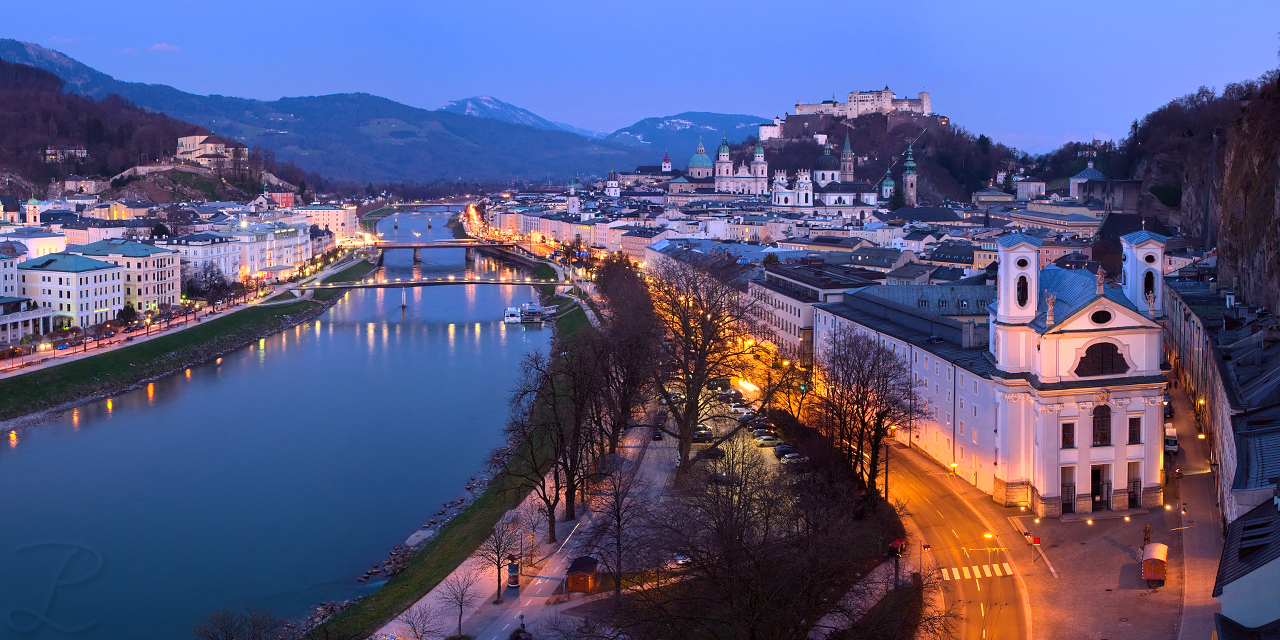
{"type": "Point", "coordinates": [1032, 74]}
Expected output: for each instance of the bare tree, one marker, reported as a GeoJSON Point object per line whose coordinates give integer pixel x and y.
{"type": "Point", "coordinates": [533, 445]}
{"type": "Point", "coordinates": [713, 330]}
{"type": "Point", "coordinates": [459, 591]}
{"type": "Point", "coordinates": [496, 550]}
{"type": "Point", "coordinates": [617, 535]}
{"type": "Point", "coordinates": [251, 624]}
{"type": "Point", "coordinates": [425, 621]}
{"type": "Point", "coordinates": [865, 391]}
{"type": "Point", "coordinates": [531, 519]}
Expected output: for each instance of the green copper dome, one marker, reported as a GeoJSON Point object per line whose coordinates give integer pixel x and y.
{"type": "Point", "coordinates": [910, 165]}
{"type": "Point", "coordinates": [724, 146]}
{"type": "Point", "coordinates": [888, 179]}
{"type": "Point", "coordinates": [700, 159]}
{"type": "Point", "coordinates": [827, 162]}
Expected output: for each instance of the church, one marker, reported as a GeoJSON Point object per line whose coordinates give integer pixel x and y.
{"type": "Point", "coordinates": [831, 188]}
{"type": "Point", "coordinates": [1057, 405]}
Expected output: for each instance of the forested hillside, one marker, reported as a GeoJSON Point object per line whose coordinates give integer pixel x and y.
{"type": "Point", "coordinates": [35, 114]}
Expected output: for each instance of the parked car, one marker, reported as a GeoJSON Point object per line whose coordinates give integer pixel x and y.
{"type": "Point", "coordinates": [63, 347]}
{"type": "Point", "coordinates": [782, 450]}
{"type": "Point", "coordinates": [703, 436]}
{"type": "Point", "coordinates": [657, 434]}
{"type": "Point", "coordinates": [712, 453]}
{"type": "Point", "coordinates": [681, 559]}
{"type": "Point", "coordinates": [767, 441]}
{"type": "Point", "coordinates": [762, 432]}
{"type": "Point", "coordinates": [1168, 411]}
{"type": "Point", "coordinates": [794, 458]}
{"type": "Point", "coordinates": [1170, 438]}
{"type": "Point", "coordinates": [739, 407]}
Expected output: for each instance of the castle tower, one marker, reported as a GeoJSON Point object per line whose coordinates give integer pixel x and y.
{"type": "Point", "coordinates": [1142, 262]}
{"type": "Point", "coordinates": [1017, 299]}
{"type": "Point", "coordinates": [909, 179]}
{"type": "Point", "coordinates": [887, 186]}
{"type": "Point", "coordinates": [666, 162]}
{"type": "Point", "coordinates": [848, 162]}
{"type": "Point", "coordinates": [611, 187]}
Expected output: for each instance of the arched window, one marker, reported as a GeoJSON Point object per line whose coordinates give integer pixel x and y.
{"type": "Point", "coordinates": [1022, 291]}
{"type": "Point", "coordinates": [1149, 283]}
{"type": "Point", "coordinates": [1101, 359]}
{"type": "Point", "coordinates": [1102, 426]}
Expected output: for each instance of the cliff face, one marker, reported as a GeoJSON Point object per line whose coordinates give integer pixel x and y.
{"type": "Point", "coordinates": [1248, 208]}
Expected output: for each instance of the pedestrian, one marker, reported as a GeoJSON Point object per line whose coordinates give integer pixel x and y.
{"type": "Point", "coordinates": [1146, 534]}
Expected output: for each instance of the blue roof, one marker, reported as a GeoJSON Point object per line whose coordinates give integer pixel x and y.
{"type": "Point", "coordinates": [119, 247]}
{"type": "Point", "coordinates": [1089, 174]}
{"type": "Point", "coordinates": [65, 262]}
{"type": "Point", "coordinates": [1074, 289]}
{"type": "Point", "coordinates": [1015, 238]}
{"type": "Point", "coordinates": [1139, 237]}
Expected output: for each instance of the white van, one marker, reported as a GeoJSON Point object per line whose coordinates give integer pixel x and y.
{"type": "Point", "coordinates": [1170, 438]}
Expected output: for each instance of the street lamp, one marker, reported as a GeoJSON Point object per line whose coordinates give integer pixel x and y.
{"type": "Point", "coordinates": [520, 534]}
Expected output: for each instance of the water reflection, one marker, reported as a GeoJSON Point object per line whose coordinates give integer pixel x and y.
{"type": "Point", "coordinates": [277, 480]}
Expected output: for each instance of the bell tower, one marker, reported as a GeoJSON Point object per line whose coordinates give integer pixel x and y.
{"type": "Point", "coordinates": [1017, 299]}
{"type": "Point", "coordinates": [1142, 268]}
{"type": "Point", "coordinates": [848, 162]}
{"type": "Point", "coordinates": [909, 179]}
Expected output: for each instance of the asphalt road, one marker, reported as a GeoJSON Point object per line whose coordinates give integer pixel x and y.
{"type": "Point", "coordinates": [977, 573]}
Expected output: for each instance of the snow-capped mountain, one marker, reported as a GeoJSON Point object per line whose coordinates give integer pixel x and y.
{"type": "Point", "coordinates": [679, 134]}
{"type": "Point", "coordinates": [493, 108]}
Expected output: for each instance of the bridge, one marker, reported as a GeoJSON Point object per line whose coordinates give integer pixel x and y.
{"type": "Point", "coordinates": [371, 218]}
{"type": "Point", "coordinates": [383, 245]}
{"type": "Point", "coordinates": [404, 283]}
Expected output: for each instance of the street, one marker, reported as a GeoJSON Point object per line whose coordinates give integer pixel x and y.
{"type": "Point", "coordinates": [978, 574]}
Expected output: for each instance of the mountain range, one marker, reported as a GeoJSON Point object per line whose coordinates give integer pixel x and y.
{"type": "Point", "coordinates": [362, 137]}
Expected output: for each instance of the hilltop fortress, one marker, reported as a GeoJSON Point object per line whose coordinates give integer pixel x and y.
{"type": "Point", "coordinates": [866, 102]}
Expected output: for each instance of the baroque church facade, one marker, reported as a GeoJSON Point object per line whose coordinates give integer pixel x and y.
{"type": "Point", "coordinates": [1057, 406]}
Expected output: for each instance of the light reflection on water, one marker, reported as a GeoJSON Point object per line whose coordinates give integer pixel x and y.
{"type": "Point", "coordinates": [274, 476]}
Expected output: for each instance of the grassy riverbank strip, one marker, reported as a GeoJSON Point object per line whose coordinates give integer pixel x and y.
{"type": "Point", "coordinates": [455, 542]}
{"type": "Point", "coordinates": [123, 368]}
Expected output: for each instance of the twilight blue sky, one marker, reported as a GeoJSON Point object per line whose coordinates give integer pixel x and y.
{"type": "Point", "coordinates": [1032, 74]}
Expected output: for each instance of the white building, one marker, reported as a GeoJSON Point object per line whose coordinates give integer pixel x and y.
{"type": "Point", "coordinates": [342, 221]}
{"type": "Point", "coordinates": [266, 247]}
{"type": "Point", "coordinates": [750, 179]}
{"type": "Point", "coordinates": [152, 274]}
{"type": "Point", "coordinates": [80, 291]}
{"type": "Point", "coordinates": [199, 249]}
{"type": "Point", "coordinates": [37, 241]}
{"type": "Point", "coordinates": [1058, 407]}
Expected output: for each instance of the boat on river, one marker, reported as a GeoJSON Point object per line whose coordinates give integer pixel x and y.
{"type": "Point", "coordinates": [528, 313]}
{"type": "Point", "coordinates": [512, 316]}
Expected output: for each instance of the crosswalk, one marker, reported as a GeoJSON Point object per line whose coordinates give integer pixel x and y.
{"type": "Point", "coordinates": [996, 570]}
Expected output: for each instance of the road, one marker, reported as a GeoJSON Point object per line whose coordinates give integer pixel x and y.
{"type": "Point", "coordinates": [977, 572]}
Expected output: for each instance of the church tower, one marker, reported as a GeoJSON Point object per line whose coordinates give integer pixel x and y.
{"type": "Point", "coordinates": [611, 187]}
{"type": "Point", "coordinates": [887, 186]}
{"type": "Point", "coordinates": [759, 168]}
{"type": "Point", "coordinates": [848, 162]}
{"type": "Point", "coordinates": [909, 179]}
{"type": "Point", "coordinates": [1017, 301]}
{"type": "Point", "coordinates": [827, 168]}
{"type": "Point", "coordinates": [1142, 261]}
{"type": "Point", "coordinates": [804, 189]}
{"type": "Point", "coordinates": [666, 162]}
{"type": "Point", "coordinates": [724, 166]}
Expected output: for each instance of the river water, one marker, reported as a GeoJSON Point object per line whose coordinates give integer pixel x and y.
{"type": "Point", "coordinates": [271, 479]}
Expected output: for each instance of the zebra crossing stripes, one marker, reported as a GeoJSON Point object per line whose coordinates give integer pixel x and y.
{"type": "Point", "coordinates": [997, 570]}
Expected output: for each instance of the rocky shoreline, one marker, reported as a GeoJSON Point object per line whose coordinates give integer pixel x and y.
{"type": "Point", "coordinates": [400, 555]}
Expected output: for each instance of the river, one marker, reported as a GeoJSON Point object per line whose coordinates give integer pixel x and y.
{"type": "Point", "coordinates": [272, 478]}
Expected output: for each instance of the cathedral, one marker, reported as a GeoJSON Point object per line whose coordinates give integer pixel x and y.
{"type": "Point", "coordinates": [751, 180]}
{"type": "Point", "coordinates": [830, 188]}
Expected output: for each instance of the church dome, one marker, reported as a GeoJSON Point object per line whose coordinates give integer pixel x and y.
{"type": "Point", "coordinates": [827, 162]}
{"type": "Point", "coordinates": [888, 179]}
{"type": "Point", "coordinates": [724, 146]}
{"type": "Point", "coordinates": [700, 159]}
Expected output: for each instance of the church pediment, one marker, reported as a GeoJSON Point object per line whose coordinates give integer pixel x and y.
{"type": "Point", "coordinates": [1102, 314]}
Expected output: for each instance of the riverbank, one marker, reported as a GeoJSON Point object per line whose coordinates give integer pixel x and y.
{"type": "Point", "coordinates": [455, 541]}
{"type": "Point", "coordinates": [25, 398]}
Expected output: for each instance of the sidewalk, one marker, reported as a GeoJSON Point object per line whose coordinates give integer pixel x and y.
{"type": "Point", "coordinates": [487, 621]}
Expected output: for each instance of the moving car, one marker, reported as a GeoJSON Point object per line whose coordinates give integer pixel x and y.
{"type": "Point", "coordinates": [681, 559]}
{"type": "Point", "coordinates": [657, 434]}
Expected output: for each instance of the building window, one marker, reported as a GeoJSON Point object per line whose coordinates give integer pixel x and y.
{"type": "Point", "coordinates": [924, 304]}
{"type": "Point", "coordinates": [1068, 435]}
{"type": "Point", "coordinates": [1135, 430]}
{"type": "Point", "coordinates": [1023, 294]}
{"type": "Point", "coordinates": [1102, 426]}
{"type": "Point", "coordinates": [1101, 359]}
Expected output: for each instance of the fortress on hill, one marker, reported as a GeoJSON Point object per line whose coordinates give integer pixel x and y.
{"type": "Point", "coordinates": [867, 102]}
